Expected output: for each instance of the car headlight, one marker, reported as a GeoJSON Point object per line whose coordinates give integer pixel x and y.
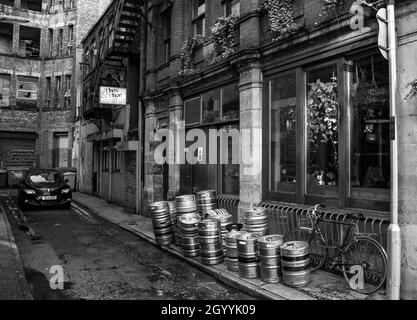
{"type": "Point", "coordinates": [66, 190]}
{"type": "Point", "coordinates": [29, 191]}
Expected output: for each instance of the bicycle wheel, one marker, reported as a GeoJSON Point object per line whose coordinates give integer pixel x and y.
{"type": "Point", "coordinates": [364, 265]}
{"type": "Point", "coordinates": [318, 248]}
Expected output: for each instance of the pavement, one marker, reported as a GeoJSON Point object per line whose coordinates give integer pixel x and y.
{"type": "Point", "coordinates": [13, 284]}
{"type": "Point", "coordinates": [324, 285]}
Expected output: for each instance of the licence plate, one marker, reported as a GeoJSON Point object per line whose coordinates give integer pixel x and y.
{"type": "Point", "coordinates": [49, 197]}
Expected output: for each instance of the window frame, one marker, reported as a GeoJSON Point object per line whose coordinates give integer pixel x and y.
{"type": "Point", "coordinates": [166, 16]}
{"type": "Point", "coordinates": [196, 18]}
{"type": "Point", "coordinates": [22, 90]}
{"type": "Point", "coordinates": [3, 78]}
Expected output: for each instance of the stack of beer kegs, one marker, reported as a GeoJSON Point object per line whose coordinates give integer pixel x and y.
{"type": "Point", "coordinates": [295, 261]}
{"type": "Point", "coordinates": [209, 237]}
{"type": "Point", "coordinates": [256, 221]}
{"type": "Point", "coordinates": [174, 218]}
{"type": "Point", "coordinates": [206, 201]}
{"type": "Point", "coordinates": [225, 219]}
{"type": "Point", "coordinates": [270, 258]}
{"type": "Point", "coordinates": [231, 250]}
{"type": "Point", "coordinates": [189, 234]}
{"type": "Point", "coordinates": [162, 223]}
{"type": "Point", "coordinates": [247, 254]}
{"type": "Point", "coordinates": [185, 204]}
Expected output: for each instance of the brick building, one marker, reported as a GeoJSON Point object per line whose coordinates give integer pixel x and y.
{"type": "Point", "coordinates": [269, 82]}
{"type": "Point", "coordinates": [39, 42]}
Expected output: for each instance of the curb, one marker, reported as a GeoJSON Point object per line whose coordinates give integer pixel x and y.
{"type": "Point", "coordinates": [18, 260]}
{"type": "Point", "coordinates": [250, 289]}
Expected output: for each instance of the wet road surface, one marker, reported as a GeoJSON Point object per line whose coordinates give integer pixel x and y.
{"type": "Point", "coordinates": [103, 261]}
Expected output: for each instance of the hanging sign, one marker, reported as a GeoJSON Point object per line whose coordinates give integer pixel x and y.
{"type": "Point", "coordinates": [383, 32]}
{"type": "Point", "coordinates": [113, 95]}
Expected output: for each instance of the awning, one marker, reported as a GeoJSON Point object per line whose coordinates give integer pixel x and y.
{"type": "Point", "coordinates": [106, 135]}
{"type": "Point", "coordinates": [127, 146]}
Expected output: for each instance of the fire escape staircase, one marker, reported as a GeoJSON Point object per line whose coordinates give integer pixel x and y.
{"type": "Point", "coordinates": [114, 46]}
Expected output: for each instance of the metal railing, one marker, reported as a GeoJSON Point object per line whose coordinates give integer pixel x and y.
{"type": "Point", "coordinates": [230, 203]}
{"type": "Point", "coordinates": [284, 217]}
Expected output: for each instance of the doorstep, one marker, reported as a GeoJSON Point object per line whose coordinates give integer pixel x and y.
{"type": "Point", "coordinates": [324, 285]}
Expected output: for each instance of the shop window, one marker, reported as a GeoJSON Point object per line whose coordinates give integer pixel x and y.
{"type": "Point", "coordinates": [322, 131]}
{"type": "Point", "coordinates": [35, 5]}
{"type": "Point", "coordinates": [192, 111]}
{"type": "Point", "coordinates": [199, 17]}
{"type": "Point", "coordinates": [282, 123]}
{"type": "Point", "coordinates": [166, 22]}
{"type": "Point", "coordinates": [231, 7]}
{"type": "Point", "coordinates": [230, 102]}
{"type": "Point", "coordinates": [370, 138]}
{"type": "Point", "coordinates": [29, 41]}
{"type": "Point", "coordinates": [211, 106]}
{"type": "Point", "coordinates": [27, 88]}
{"type": "Point", "coordinates": [4, 90]}
{"type": "Point", "coordinates": [6, 37]}
{"type": "Point", "coordinates": [231, 170]}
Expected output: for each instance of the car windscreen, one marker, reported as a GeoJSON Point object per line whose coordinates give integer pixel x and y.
{"type": "Point", "coordinates": [45, 177]}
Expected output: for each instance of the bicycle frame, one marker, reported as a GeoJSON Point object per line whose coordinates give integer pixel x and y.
{"type": "Point", "coordinates": [339, 248]}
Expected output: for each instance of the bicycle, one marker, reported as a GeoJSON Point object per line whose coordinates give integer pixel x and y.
{"type": "Point", "coordinates": [362, 260]}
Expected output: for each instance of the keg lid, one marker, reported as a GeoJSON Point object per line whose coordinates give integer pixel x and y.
{"type": "Point", "coordinates": [255, 211]}
{"type": "Point", "coordinates": [159, 205]}
{"type": "Point", "coordinates": [206, 193]}
{"type": "Point", "coordinates": [234, 234]}
{"type": "Point", "coordinates": [248, 236]}
{"type": "Point", "coordinates": [273, 238]}
{"type": "Point", "coordinates": [294, 245]}
{"type": "Point", "coordinates": [187, 197]}
{"type": "Point", "coordinates": [190, 218]}
{"type": "Point", "coordinates": [208, 222]}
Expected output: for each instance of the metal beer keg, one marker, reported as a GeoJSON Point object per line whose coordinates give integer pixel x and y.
{"type": "Point", "coordinates": [162, 223]}
{"type": "Point", "coordinates": [248, 258]}
{"type": "Point", "coordinates": [256, 220]}
{"type": "Point", "coordinates": [206, 201]}
{"type": "Point", "coordinates": [225, 219]}
{"type": "Point", "coordinates": [295, 261]}
{"type": "Point", "coordinates": [189, 234]}
{"type": "Point", "coordinates": [174, 218]}
{"type": "Point", "coordinates": [231, 250]}
{"type": "Point", "coordinates": [209, 237]}
{"type": "Point", "coordinates": [270, 258]}
{"type": "Point", "coordinates": [185, 204]}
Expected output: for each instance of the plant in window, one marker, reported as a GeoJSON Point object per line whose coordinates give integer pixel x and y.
{"type": "Point", "coordinates": [322, 116]}
{"type": "Point", "coordinates": [222, 35]}
{"type": "Point", "coordinates": [280, 17]}
{"type": "Point", "coordinates": [412, 93]}
{"type": "Point", "coordinates": [187, 55]}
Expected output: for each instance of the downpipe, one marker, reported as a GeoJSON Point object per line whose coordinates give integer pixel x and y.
{"type": "Point", "coordinates": [394, 232]}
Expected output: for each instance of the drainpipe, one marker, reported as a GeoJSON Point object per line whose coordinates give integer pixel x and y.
{"type": "Point", "coordinates": [394, 232]}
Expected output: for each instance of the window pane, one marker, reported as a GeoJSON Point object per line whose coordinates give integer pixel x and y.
{"type": "Point", "coordinates": [370, 162]}
{"type": "Point", "coordinates": [192, 111]}
{"type": "Point", "coordinates": [283, 134]}
{"type": "Point", "coordinates": [230, 171]}
{"type": "Point", "coordinates": [211, 106]}
{"type": "Point", "coordinates": [230, 102]}
{"type": "Point", "coordinates": [322, 130]}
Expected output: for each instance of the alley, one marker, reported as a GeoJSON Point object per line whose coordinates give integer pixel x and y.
{"type": "Point", "coordinates": [102, 261]}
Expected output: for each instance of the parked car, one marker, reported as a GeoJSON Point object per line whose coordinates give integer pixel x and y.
{"type": "Point", "coordinates": [44, 187]}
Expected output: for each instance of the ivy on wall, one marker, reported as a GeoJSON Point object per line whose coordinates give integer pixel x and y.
{"type": "Point", "coordinates": [412, 93]}
{"type": "Point", "coordinates": [222, 36]}
{"type": "Point", "coordinates": [280, 17]}
{"type": "Point", "coordinates": [188, 50]}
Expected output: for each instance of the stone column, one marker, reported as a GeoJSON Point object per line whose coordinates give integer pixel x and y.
{"type": "Point", "coordinates": [407, 151]}
{"type": "Point", "coordinates": [152, 180]}
{"type": "Point", "coordinates": [175, 126]}
{"type": "Point", "coordinates": [250, 86]}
